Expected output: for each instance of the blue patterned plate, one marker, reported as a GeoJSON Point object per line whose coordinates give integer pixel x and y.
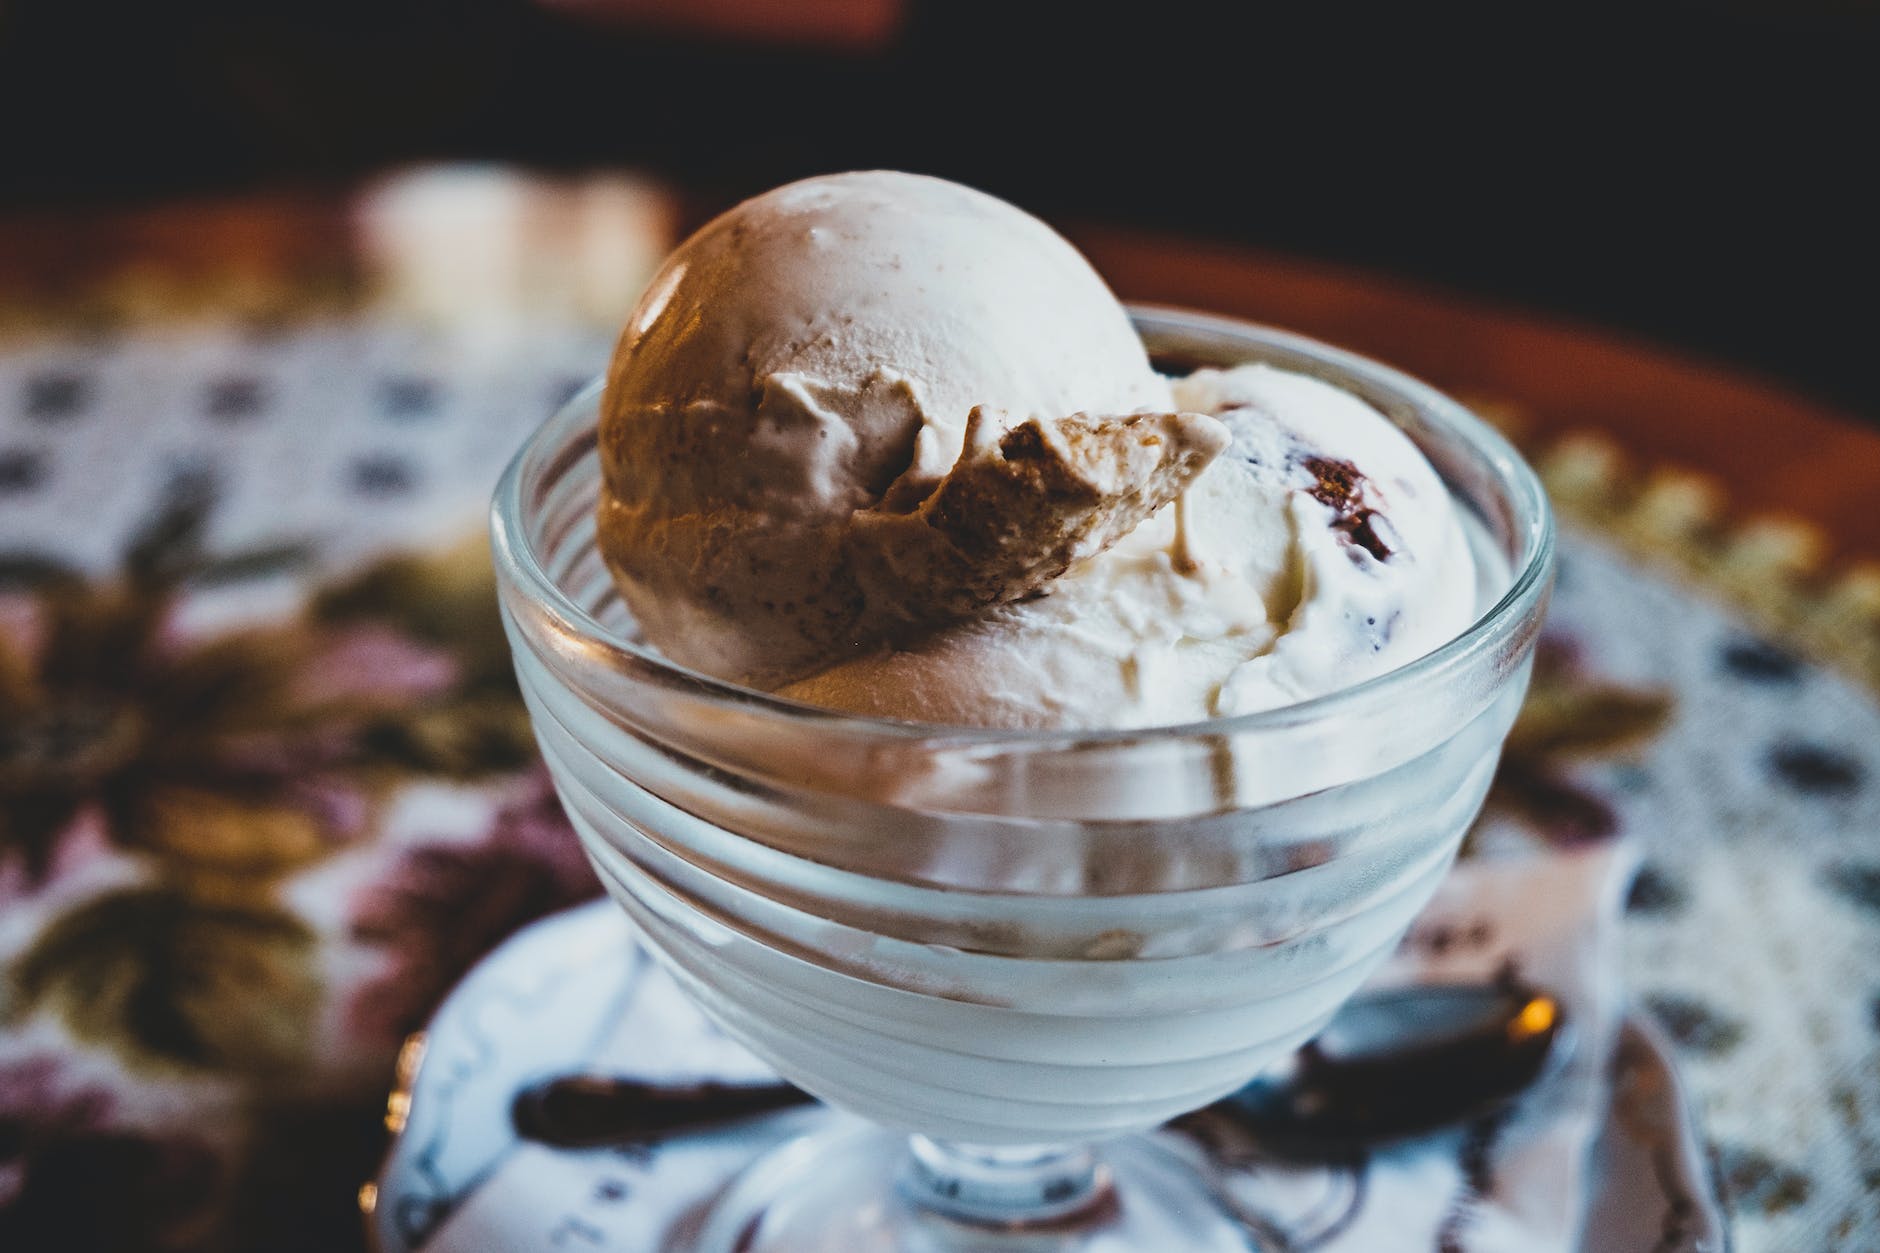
{"type": "Point", "coordinates": [568, 993]}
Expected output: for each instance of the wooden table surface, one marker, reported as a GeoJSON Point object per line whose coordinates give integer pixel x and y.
{"type": "Point", "coordinates": [1772, 449]}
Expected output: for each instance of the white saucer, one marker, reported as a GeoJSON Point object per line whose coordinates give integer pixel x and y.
{"type": "Point", "coordinates": [549, 1001]}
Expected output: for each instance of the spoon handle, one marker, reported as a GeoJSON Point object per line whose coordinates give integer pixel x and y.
{"type": "Point", "coordinates": [583, 1111]}
{"type": "Point", "coordinates": [1391, 1065]}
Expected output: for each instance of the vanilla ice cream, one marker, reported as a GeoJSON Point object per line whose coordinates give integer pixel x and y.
{"type": "Point", "coordinates": [886, 444]}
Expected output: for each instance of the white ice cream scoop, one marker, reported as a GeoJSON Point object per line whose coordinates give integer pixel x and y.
{"type": "Point", "coordinates": [1318, 550]}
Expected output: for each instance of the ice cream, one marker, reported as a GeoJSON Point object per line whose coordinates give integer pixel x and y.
{"type": "Point", "coordinates": [883, 443]}
{"type": "Point", "coordinates": [816, 354]}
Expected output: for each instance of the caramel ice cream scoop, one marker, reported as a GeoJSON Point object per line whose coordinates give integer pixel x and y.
{"type": "Point", "coordinates": [784, 419]}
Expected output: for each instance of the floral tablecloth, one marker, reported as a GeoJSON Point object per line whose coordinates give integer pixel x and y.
{"type": "Point", "coordinates": [266, 789]}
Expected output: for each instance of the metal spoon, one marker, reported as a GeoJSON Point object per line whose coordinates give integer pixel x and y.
{"type": "Point", "coordinates": [1391, 1065]}
{"type": "Point", "coordinates": [1394, 1065]}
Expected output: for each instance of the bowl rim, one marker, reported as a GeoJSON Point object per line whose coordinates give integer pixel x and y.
{"type": "Point", "coordinates": [555, 441]}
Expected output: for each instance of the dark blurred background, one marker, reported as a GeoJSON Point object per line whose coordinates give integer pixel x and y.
{"type": "Point", "coordinates": [1694, 173]}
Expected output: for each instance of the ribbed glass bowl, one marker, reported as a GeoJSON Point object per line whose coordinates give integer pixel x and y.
{"type": "Point", "coordinates": [1020, 938]}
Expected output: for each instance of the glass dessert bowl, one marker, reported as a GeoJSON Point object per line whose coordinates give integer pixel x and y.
{"type": "Point", "coordinates": [1013, 952]}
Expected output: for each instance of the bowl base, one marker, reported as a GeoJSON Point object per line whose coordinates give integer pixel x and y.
{"type": "Point", "coordinates": [845, 1188]}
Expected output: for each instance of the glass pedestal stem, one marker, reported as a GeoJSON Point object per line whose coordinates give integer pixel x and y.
{"type": "Point", "coordinates": [1005, 1186]}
